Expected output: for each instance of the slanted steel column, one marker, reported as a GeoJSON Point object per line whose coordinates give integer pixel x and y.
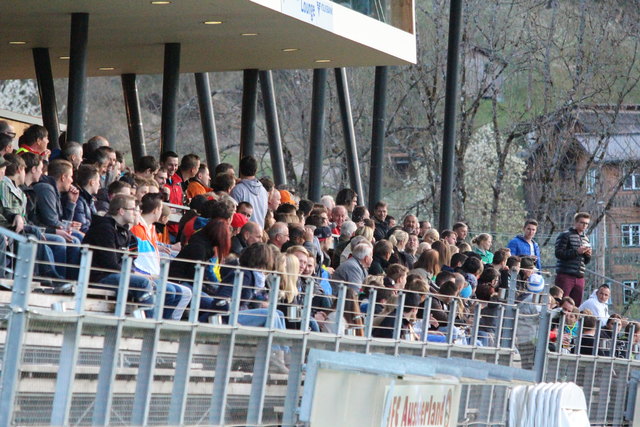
{"type": "Point", "coordinates": [47, 92]}
{"type": "Point", "coordinates": [349, 132]}
{"type": "Point", "coordinates": [134, 119]}
{"type": "Point", "coordinates": [207, 119]}
{"type": "Point", "coordinates": [273, 127]}
{"type": "Point", "coordinates": [450, 107]}
{"type": "Point", "coordinates": [77, 100]}
{"type": "Point", "coordinates": [248, 120]}
{"type": "Point", "coordinates": [317, 133]}
{"type": "Point", "coordinates": [170, 84]}
{"type": "Point", "coordinates": [377, 136]}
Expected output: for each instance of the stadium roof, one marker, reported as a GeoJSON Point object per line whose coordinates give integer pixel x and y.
{"type": "Point", "coordinates": [128, 36]}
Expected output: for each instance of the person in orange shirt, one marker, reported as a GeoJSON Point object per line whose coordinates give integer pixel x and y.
{"type": "Point", "coordinates": [199, 184]}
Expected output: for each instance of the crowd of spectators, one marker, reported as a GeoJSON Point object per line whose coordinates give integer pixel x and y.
{"type": "Point", "coordinates": [85, 193]}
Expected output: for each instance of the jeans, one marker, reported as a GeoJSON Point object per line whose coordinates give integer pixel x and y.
{"type": "Point", "coordinates": [258, 317]}
{"type": "Point", "coordinates": [140, 288]}
{"type": "Point", "coordinates": [65, 255]}
{"type": "Point", "coordinates": [176, 300]}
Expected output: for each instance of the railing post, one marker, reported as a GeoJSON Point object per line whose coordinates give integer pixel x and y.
{"type": "Point", "coordinates": [16, 329]}
{"type": "Point", "coordinates": [185, 353]}
{"type": "Point", "coordinates": [149, 353]}
{"type": "Point", "coordinates": [72, 333]}
{"type": "Point", "coordinates": [451, 320]}
{"type": "Point", "coordinates": [110, 348]}
{"type": "Point", "coordinates": [371, 312]}
{"type": "Point", "coordinates": [225, 357]}
{"type": "Point", "coordinates": [262, 358]}
{"type": "Point", "coordinates": [426, 317]}
{"type": "Point", "coordinates": [298, 351]}
{"type": "Point", "coordinates": [397, 324]}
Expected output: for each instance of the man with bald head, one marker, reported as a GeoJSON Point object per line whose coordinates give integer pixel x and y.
{"type": "Point", "coordinates": [249, 234]}
{"type": "Point", "coordinates": [338, 216]}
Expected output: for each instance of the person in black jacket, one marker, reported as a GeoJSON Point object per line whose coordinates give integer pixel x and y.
{"type": "Point", "coordinates": [112, 232]}
{"type": "Point", "coordinates": [573, 252]}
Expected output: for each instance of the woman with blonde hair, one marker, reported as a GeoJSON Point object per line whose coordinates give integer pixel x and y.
{"type": "Point", "coordinates": [399, 239]}
{"type": "Point", "coordinates": [483, 242]}
{"type": "Point", "coordinates": [289, 267]}
{"type": "Point", "coordinates": [443, 251]}
{"type": "Point", "coordinates": [431, 236]}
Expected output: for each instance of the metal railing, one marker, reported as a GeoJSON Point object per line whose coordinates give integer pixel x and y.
{"type": "Point", "coordinates": [92, 359]}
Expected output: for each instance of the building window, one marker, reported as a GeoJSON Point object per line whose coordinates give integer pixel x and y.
{"type": "Point", "coordinates": [629, 290]}
{"type": "Point", "coordinates": [591, 180]}
{"type": "Point", "coordinates": [630, 234]}
{"type": "Point", "coordinates": [632, 182]}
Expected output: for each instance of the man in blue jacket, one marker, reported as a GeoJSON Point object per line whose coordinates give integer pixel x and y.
{"type": "Point", "coordinates": [524, 245]}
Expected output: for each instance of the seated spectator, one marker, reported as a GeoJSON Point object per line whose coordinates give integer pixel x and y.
{"type": "Point", "coordinates": [146, 167]}
{"type": "Point", "coordinates": [72, 152]}
{"type": "Point", "coordinates": [472, 269]}
{"type": "Point", "coordinates": [382, 251]}
{"type": "Point", "coordinates": [223, 183]}
{"type": "Point", "coordinates": [354, 270]}
{"type": "Point", "coordinates": [385, 329]}
{"type": "Point", "coordinates": [482, 244]}
{"type": "Point", "coordinates": [338, 217]}
{"type": "Point", "coordinates": [448, 236]}
{"type": "Point", "coordinates": [112, 232]}
{"type": "Point", "coordinates": [348, 199]}
{"type": "Point", "coordinates": [396, 275]}
{"type": "Point", "coordinates": [411, 249]}
{"type": "Point", "coordinates": [196, 209]}
{"type": "Point", "coordinates": [35, 139]}
{"type": "Point", "coordinates": [444, 253]}
{"type": "Point", "coordinates": [427, 266]}
{"type": "Point", "coordinates": [588, 340]}
{"type": "Point", "coordinates": [380, 217]}
{"type": "Point", "coordinates": [199, 184]}
{"type": "Point", "coordinates": [614, 320]}
{"type": "Point", "coordinates": [598, 303]}
{"type": "Point", "coordinates": [105, 197]}
{"type": "Point", "coordinates": [49, 210]}
{"type": "Point", "coordinates": [278, 234]}
{"type": "Point", "coordinates": [249, 234]}
{"type": "Point", "coordinates": [399, 239]}
{"type": "Point", "coordinates": [359, 214]}
{"type": "Point", "coordinates": [245, 209]}
{"type": "Point", "coordinates": [352, 319]}
{"type": "Point", "coordinates": [363, 233]}
{"type": "Point", "coordinates": [147, 262]}
{"type": "Point", "coordinates": [226, 168]}
{"type": "Point", "coordinates": [88, 180]}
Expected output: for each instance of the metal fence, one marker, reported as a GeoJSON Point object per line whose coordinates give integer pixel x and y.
{"type": "Point", "coordinates": [79, 360]}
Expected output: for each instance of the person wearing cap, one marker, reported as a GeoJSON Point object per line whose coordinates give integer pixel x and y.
{"type": "Point", "coordinates": [286, 198]}
{"type": "Point", "coordinates": [326, 240]}
{"type": "Point", "coordinates": [237, 222]}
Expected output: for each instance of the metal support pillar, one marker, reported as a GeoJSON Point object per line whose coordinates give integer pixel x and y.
{"type": "Point", "coordinates": [170, 85]}
{"type": "Point", "coordinates": [349, 132]}
{"type": "Point", "coordinates": [450, 107]}
{"type": "Point", "coordinates": [248, 120]}
{"type": "Point", "coordinates": [317, 133]}
{"type": "Point", "coordinates": [273, 127]}
{"type": "Point", "coordinates": [48, 105]}
{"type": "Point", "coordinates": [77, 100]}
{"type": "Point", "coordinates": [134, 118]}
{"type": "Point", "coordinates": [207, 119]}
{"type": "Point", "coordinates": [377, 136]}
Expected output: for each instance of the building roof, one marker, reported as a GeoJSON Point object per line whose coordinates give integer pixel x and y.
{"type": "Point", "coordinates": [611, 136]}
{"type": "Point", "coordinates": [128, 36]}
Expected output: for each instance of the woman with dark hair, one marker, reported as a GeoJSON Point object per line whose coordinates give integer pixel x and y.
{"type": "Point", "coordinates": [211, 244]}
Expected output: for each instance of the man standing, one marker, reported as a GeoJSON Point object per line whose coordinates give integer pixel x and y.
{"type": "Point", "coordinates": [249, 189]}
{"type": "Point", "coordinates": [573, 252]}
{"type": "Point", "coordinates": [524, 245]}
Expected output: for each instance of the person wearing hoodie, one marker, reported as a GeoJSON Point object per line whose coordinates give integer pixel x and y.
{"type": "Point", "coordinates": [250, 190]}
{"type": "Point", "coordinates": [524, 245]}
{"type": "Point", "coordinates": [598, 303]}
{"type": "Point", "coordinates": [88, 180]}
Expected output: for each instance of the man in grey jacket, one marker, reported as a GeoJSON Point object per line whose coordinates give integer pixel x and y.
{"type": "Point", "coordinates": [354, 270]}
{"type": "Point", "coordinates": [251, 190]}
